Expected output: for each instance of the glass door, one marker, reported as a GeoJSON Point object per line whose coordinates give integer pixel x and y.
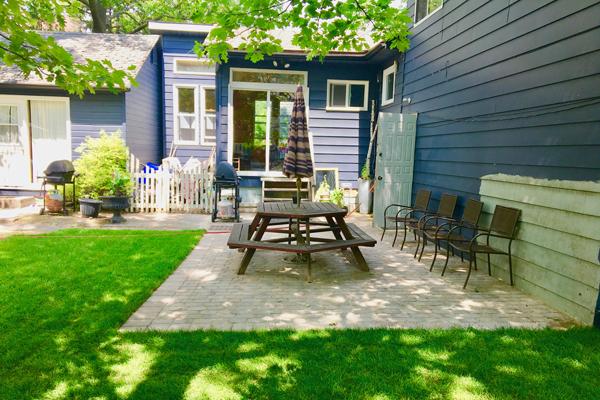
{"type": "Point", "coordinates": [281, 104]}
{"type": "Point", "coordinates": [15, 169]}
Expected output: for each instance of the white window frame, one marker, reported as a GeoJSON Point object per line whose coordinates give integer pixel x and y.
{"type": "Point", "coordinates": [391, 70]}
{"type": "Point", "coordinates": [428, 15]}
{"type": "Point", "coordinates": [197, 60]}
{"type": "Point", "coordinates": [176, 113]}
{"type": "Point", "coordinates": [203, 113]}
{"type": "Point", "coordinates": [347, 107]}
{"type": "Point", "coordinates": [268, 87]}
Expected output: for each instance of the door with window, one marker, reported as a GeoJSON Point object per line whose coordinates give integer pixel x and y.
{"type": "Point", "coordinates": [261, 107]}
{"type": "Point", "coordinates": [14, 142]}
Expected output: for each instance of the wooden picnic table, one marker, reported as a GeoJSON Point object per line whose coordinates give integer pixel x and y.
{"type": "Point", "coordinates": [297, 236]}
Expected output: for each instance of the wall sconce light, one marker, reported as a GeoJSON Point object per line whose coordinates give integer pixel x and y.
{"type": "Point", "coordinates": [274, 63]}
{"type": "Point", "coordinates": [406, 101]}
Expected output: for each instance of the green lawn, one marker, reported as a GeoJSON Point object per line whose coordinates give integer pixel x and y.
{"type": "Point", "coordinates": [63, 297]}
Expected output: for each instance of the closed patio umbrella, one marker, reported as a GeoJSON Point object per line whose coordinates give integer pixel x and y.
{"type": "Point", "coordinates": [297, 162]}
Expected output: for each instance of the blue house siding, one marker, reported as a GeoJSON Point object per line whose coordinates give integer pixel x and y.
{"type": "Point", "coordinates": [340, 139]}
{"type": "Point", "coordinates": [175, 47]}
{"type": "Point", "coordinates": [96, 113]}
{"type": "Point", "coordinates": [504, 87]}
{"type": "Point", "coordinates": [143, 112]}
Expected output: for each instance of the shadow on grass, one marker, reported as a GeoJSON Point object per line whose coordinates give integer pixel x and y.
{"type": "Point", "coordinates": [63, 300]}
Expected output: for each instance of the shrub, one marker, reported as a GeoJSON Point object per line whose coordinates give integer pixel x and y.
{"type": "Point", "coordinates": [102, 166]}
{"type": "Point", "coordinates": [365, 174]}
{"type": "Point", "coordinates": [337, 197]}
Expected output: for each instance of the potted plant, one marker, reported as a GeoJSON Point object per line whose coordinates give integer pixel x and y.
{"type": "Point", "coordinates": [100, 158]}
{"type": "Point", "coordinates": [118, 196]}
{"type": "Point", "coordinates": [364, 190]}
{"type": "Point", "coordinates": [337, 197]}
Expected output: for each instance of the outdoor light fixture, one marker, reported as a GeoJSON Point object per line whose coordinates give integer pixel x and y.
{"type": "Point", "coordinates": [274, 63]}
{"type": "Point", "coordinates": [286, 66]}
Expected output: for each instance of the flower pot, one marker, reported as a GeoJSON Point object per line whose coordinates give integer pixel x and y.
{"type": "Point", "coordinates": [54, 201]}
{"type": "Point", "coordinates": [365, 197]}
{"type": "Point", "coordinates": [89, 207]}
{"type": "Point", "coordinates": [116, 204]}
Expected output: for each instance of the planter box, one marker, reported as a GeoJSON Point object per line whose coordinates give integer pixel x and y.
{"type": "Point", "coordinates": [90, 207]}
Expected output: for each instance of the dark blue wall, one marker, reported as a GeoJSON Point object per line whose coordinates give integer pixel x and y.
{"type": "Point", "coordinates": [340, 139]}
{"type": "Point", "coordinates": [505, 87]}
{"type": "Point", "coordinates": [180, 46]}
{"type": "Point", "coordinates": [143, 107]}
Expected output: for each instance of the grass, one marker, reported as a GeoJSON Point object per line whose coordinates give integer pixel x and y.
{"type": "Point", "coordinates": [63, 297]}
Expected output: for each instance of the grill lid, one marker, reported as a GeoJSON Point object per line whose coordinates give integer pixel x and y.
{"type": "Point", "coordinates": [59, 168]}
{"type": "Point", "coordinates": [225, 172]}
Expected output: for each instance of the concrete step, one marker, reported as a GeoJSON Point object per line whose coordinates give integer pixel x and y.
{"type": "Point", "coordinates": [16, 201]}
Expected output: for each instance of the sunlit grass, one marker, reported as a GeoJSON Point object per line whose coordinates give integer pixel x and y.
{"type": "Point", "coordinates": [63, 298]}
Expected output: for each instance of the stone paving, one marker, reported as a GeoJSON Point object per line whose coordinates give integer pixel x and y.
{"type": "Point", "coordinates": [206, 293]}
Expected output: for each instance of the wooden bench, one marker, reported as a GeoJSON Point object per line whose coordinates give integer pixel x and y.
{"type": "Point", "coordinates": [241, 238]}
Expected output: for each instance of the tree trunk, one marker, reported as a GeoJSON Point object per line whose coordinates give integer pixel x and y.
{"type": "Point", "coordinates": [99, 16]}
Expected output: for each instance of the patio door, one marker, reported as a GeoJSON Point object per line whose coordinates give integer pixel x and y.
{"type": "Point", "coordinates": [14, 142]}
{"type": "Point", "coordinates": [260, 108]}
{"type": "Point", "coordinates": [395, 161]}
{"type": "Point", "coordinates": [33, 132]}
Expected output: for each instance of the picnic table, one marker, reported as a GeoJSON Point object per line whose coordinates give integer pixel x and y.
{"type": "Point", "coordinates": [296, 225]}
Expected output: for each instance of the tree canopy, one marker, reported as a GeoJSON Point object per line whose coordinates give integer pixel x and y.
{"type": "Point", "coordinates": [318, 26]}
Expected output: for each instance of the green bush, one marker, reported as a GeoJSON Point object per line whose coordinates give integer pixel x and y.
{"type": "Point", "coordinates": [102, 166]}
{"type": "Point", "coordinates": [337, 197]}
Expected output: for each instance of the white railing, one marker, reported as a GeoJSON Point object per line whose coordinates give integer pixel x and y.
{"type": "Point", "coordinates": [167, 190]}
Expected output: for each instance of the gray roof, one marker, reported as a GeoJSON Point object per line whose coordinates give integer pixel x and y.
{"type": "Point", "coordinates": [120, 49]}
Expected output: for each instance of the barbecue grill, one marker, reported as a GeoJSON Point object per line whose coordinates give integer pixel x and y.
{"type": "Point", "coordinates": [226, 178]}
{"type": "Point", "coordinates": [59, 173]}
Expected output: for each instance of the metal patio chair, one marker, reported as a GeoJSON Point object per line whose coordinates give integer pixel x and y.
{"type": "Point", "coordinates": [431, 220]}
{"type": "Point", "coordinates": [503, 226]}
{"type": "Point", "coordinates": [440, 232]}
{"type": "Point", "coordinates": [409, 214]}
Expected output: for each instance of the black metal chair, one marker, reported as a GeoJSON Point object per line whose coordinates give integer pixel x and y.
{"type": "Point", "coordinates": [409, 213]}
{"type": "Point", "coordinates": [503, 226]}
{"type": "Point", "coordinates": [445, 211]}
{"type": "Point", "coordinates": [440, 232]}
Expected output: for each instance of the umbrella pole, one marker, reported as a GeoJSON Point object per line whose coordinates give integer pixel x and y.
{"type": "Point", "coordinates": [298, 190]}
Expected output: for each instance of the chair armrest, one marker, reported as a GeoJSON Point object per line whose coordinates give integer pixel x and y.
{"type": "Point", "coordinates": [395, 205]}
{"type": "Point", "coordinates": [488, 234]}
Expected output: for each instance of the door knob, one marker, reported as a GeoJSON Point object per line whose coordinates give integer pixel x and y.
{"type": "Point", "coordinates": [379, 178]}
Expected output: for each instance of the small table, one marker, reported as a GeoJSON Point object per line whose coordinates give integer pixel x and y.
{"type": "Point", "coordinates": [297, 239]}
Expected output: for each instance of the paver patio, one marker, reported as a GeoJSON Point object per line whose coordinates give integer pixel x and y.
{"type": "Point", "coordinates": [205, 292]}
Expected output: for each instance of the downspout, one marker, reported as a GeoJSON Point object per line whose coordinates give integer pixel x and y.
{"type": "Point", "coordinates": [597, 313]}
{"type": "Point", "coordinates": [30, 133]}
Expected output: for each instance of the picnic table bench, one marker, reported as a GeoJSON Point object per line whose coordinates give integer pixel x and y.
{"type": "Point", "coordinates": [297, 235]}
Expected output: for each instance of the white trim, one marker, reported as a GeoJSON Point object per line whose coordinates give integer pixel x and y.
{"type": "Point", "coordinates": [178, 27]}
{"type": "Point", "coordinates": [176, 113]}
{"type": "Point", "coordinates": [203, 113]}
{"type": "Point", "coordinates": [428, 15]}
{"type": "Point", "coordinates": [261, 87]}
{"type": "Point", "coordinates": [389, 70]}
{"type": "Point", "coordinates": [347, 107]}
{"type": "Point", "coordinates": [192, 59]}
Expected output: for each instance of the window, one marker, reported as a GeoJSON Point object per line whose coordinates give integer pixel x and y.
{"type": "Point", "coordinates": [186, 114]}
{"type": "Point", "coordinates": [9, 124]}
{"type": "Point", "coordinates": [388, 87]}
{"type": "Point", "coordinates": [269, 76]}
{"type": "Point", "coordinates": [347, 95]}
{"type": "Point", "coordinates": [193, 66]}
{"type": "Point", "coordinates": [424, 8]}
{"type": "Point", "coordinates": [208, 115]}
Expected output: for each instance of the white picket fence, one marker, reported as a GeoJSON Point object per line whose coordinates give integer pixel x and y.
{"type": "Point", "coordinates": [165, 190]}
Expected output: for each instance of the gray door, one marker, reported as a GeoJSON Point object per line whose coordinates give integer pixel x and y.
{"type": "Point", "coordinates": [395, 161]}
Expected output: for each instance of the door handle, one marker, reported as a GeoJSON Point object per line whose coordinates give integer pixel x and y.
{"type": "Point", "coordinates": [379, 178]}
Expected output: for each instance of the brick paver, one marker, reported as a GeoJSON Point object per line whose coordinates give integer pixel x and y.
{"type": "Point", "coordinates": [206, 293]}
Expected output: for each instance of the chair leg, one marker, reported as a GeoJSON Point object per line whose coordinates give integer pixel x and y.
{"type": "Point", "coordinates": [435, 251]}
{"type": "Point", "coordinates": [475, 261]}
{"type": "Point", "coordinates": [462, 257]}
{"type": "Point", "coordinates": [422, 248]}
{"type": "Point", "coordinates": [309, 272]}
{"type": "Point", "coordinates": [471, 258]}
{"type": "Point", "coordinates": [447, 258]}
{"type": "Point", "coordinates": [418, 244]}
{"type": "Point", "coordinates": [510, 272]}
{"type": "Point", "coordinates": [395, 235]}
{"type": "Point", "coordinates": [489, 265]}
{"type": "Point", "coordinates": [384, 227]}
{"type": "Point", "coordinates": [404, 238]}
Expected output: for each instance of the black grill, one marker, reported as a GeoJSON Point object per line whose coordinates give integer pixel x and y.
{"type": "Point", "coordinates": [59, 173]}
{"type": "Point", "coordinates": [226, 178]}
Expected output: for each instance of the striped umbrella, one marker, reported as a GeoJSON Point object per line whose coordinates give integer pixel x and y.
{"type": "Point", "coordinates": [298, 162]}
